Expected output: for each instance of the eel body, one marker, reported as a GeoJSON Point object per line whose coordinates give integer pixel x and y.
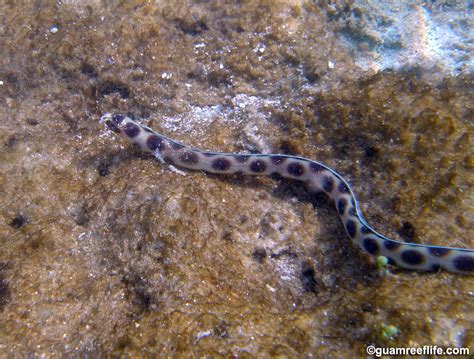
{"type": "Point", "coordinates": [317, 176]}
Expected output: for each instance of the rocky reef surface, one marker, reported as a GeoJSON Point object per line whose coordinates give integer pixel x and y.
{"type": "Point", "coordinates": [105, 250]}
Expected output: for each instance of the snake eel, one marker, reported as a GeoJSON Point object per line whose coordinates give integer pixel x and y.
{"type": "Point", "coordinates": [317, 176]}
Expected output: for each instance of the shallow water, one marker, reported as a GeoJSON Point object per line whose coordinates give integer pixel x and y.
{"type": "Point", "coordinates": [105, 250]}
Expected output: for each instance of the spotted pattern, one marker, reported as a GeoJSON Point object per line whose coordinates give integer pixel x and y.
{"type": "Point", "coordinates": [221, 164]}
{"type": "Point", "coordinates": [258, 166]}
{"type": "Point", "coordinates": [341, 205]}
{"type": "Point", "coordinates": [328, 184]}
{"type": "Point", "coordinates": [464, 263]}
{"type": "Point", "coordinates": [132, 130]}
{"type": "Point", "coordinates": [189, 157]}
{"type": "Point", "coordinates": [154, 143]}
{"type": "Point", "coordinates": [320, 178]}
{"type": "Point", "coordinates": [316, 167]}
{"type": "Point", "coordinates": [412, 257]}
{"type": "Point", "coordinates": [371, 246]}
{"type": "Point", "coordinates": [295, 169]}
{"type": "Point", "coordinates": [351, 228]}
{"type": "Point", "coordinates": [117, 118]}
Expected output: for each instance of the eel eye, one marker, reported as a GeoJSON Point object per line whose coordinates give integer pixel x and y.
{"type": "Point", "coordinates": [117, 119]}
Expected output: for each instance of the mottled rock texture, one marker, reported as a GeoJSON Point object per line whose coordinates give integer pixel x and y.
{"type": "Point", "coordinates": [105, 250]}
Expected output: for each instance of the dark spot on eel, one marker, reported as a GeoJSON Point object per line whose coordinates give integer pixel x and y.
{"type": "Point", "coordinates": [316, 167]}
{"type": "Point", "coordinates": [295, 169]}
{"type": "Point", "coordinates": [351, 227]}
{"type": "Point", "coordinates": [131, 130]}
{"type": "Point", "coordinates": [155, 143]}
{"type": "Point", "coordinates": [464, 263]}
{"type": "Point", "coordinates": [341, 206]}
{"type": "Point", "coordinates": [371, 246]}
{"type": "Point", "coordinates": [189, 157]}
{"type": "Point", "coordinates": [221, 164]}
{"type": "Point", "coordinates": [412, 257]}
{"type": "Point", "coordinates": [258, 166]}
{"type": "Point", "coordinates": [117, 118]}
{"type": "Point", "coordinates": [328, 184]}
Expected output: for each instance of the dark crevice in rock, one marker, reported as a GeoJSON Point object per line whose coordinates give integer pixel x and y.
{"type": "Point", "coordinates": [110, 87]}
